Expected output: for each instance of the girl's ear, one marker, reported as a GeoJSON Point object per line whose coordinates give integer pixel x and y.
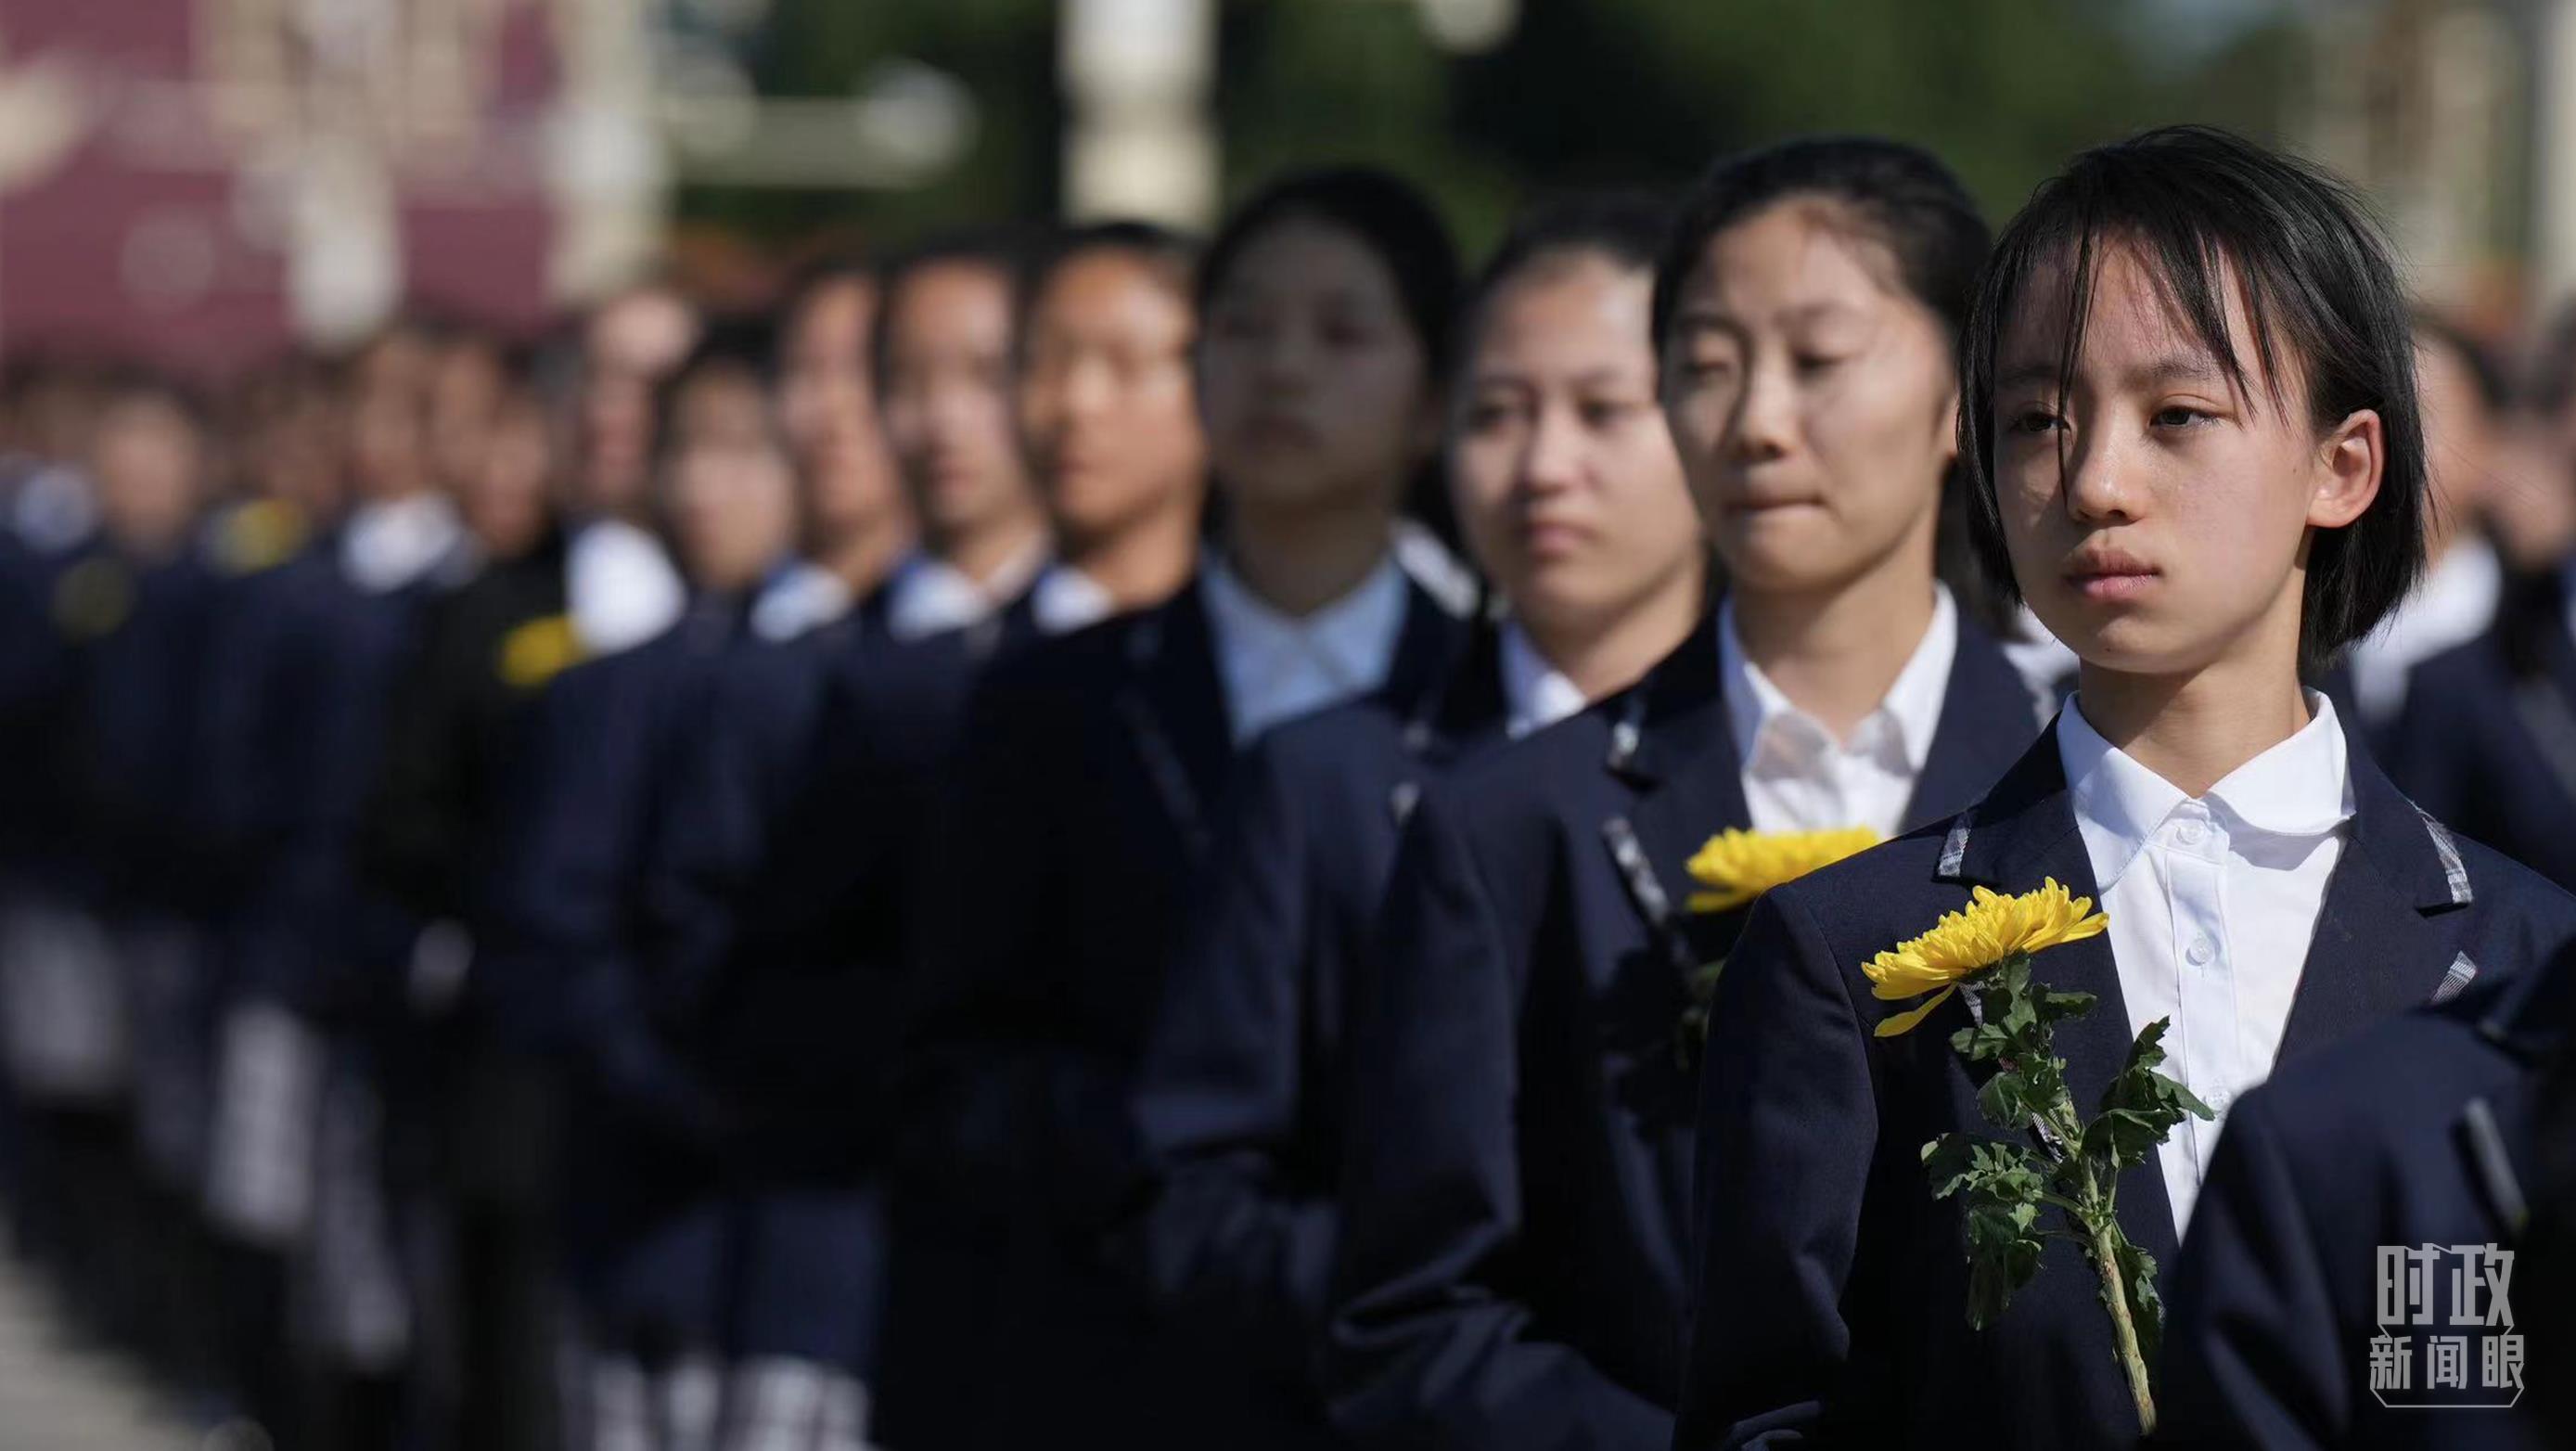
{"type": "Point", "coordinates": [2350, 464]}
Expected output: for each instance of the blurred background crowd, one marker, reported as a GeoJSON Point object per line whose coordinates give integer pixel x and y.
{"type": "Point", "coordinates": [377, 375]}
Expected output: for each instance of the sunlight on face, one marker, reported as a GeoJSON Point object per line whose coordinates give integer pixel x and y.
{"type": "Point", "coordinates": [1812, 400]}
{"type": "Point", "coordinates": [2173, 534]}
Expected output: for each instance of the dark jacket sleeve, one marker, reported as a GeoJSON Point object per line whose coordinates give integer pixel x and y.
{"type": "Point", "coordinates": [1433, 1339]}
{"type": "Point", "coordinates": [1238, 1236]}
{"type": "Point", "coordinates": [1787, 1129]}
{"type": "Point", "coordinates": [2252, 1355]}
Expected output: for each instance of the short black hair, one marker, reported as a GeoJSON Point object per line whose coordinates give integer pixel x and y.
{"type": "Point", "coordinates": [1900, 197]}
{"type": "Point", "coordinates": [740, 347]}
{"type": "Point", "coordinates": [1386, 214]}
{"type": "Point", "coordinates": [1162, 249]}
{"type": "Point", "coordinates": [1626, 228]}
{"type": "Point", "coordinates": [1005, 251]}
{"type": "Point", "coordinates": [2201, 207]}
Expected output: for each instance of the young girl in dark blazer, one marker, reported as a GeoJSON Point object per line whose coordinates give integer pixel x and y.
{"type": "Point", "coordinates": [1510, 1270]}
{"type": "Point", "coordinates": [2189, 408]}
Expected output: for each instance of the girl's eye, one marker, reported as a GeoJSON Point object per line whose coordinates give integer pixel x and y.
{"type": "Point", "coordinates": [2178, 416]}
{"type": "Point", "coordinates": [1811, 364]}
{"type": "Point", "coordinates": [1603, 415]}
{"type": "Point", "coordinates": [2035, 420]}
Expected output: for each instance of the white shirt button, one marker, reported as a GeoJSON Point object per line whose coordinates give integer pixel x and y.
{"type": "Point", "coordinates": [2218, 1100]}
{"type": "Point", "coordinates": [2190, 833]}
{"type": "Point", "coordinates": [2202, 950]}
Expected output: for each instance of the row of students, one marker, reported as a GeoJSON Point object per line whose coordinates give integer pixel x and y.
{"type": "Point", "coordinates": [1162, 1068]}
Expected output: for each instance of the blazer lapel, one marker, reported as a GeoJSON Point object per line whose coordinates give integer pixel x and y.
{"type": "Point", "coordinates": [1671, 743]}
{"type": "Point", "coordinates": [2022, 834]}
{"type": "Point", "coordinates": [1988, 715]}
{"type": "Point", "coordinates": [2376, 952]}
{"type": "Point", "coordinates": [1174, 709]}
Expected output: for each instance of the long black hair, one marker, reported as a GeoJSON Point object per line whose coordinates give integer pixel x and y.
{"type": "Point", "coordinates": [2204, 210]}
{"type": "Point", "coordinates": [1898, 196]}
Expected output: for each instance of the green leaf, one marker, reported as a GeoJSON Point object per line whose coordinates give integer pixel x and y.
{"type": "Point", "coordinates": [2054, 1005]}
{"type": "Point", "coordinates": [2005, 1193]}
{"type": "Point", "coordinates": [2140, 1106]}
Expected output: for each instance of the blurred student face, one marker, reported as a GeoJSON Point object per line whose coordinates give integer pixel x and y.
{"type": "Point", "coordinates": [2157, 516]}
{"type": "Point", "coordinates": [1565, 476]}
{"type": "Point", "coordinates": [1315, 390]}
{"type": "Point", "coordinates": [148, 466]}
{"type": "Point", "coordinates": [947, 396]}
{"type": "Point", "coordinates": [1813, 401]}
{"type": "Point", "coordinates": [828, 407]}
{"type": "Point", "coordinates": [465, 387]}
{"type": "Point", "coordinates": [503, 497]}
{"type": "Point", "coordinates": [1106, 406]}
{"type": "Point", "coordinates": [730, 488]}
{"type": "Point", "coordinates": [2460, 446]}
{"type": "Point", "coordinates": [630, 346]}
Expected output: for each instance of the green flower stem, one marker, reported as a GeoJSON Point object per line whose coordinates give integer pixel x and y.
{"type": "Point", "coordinates": [2105, 1255]}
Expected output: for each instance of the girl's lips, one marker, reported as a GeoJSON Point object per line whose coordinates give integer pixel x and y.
{"type": "Point", "coordinates": [2112, 587]}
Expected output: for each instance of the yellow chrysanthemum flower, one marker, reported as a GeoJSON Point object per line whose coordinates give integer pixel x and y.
{"type": "Point", "coordinates": [1990, 929]}
{"type": "Point", "coordinates": [1738, 866]}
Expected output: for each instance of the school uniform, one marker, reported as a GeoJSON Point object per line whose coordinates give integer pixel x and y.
{"type": "Point", "coordinates": [1830, 1289]}
{"type": "Point", "coordinates": [2487, 738]}
{"type": "Point", "coordinates": [1088, 799]}
{"type": "Point", "coordinates": [1238, 1101]}
{"type": "Point", "coordinates": [787, 862]}
{"type": "Point", "coordinates": [1514, 1220]}
{"type": "Point", "coordinates": [2428, 1130]}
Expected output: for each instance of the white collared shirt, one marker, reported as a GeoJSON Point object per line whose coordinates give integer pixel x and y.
{"type": "Point", "coordinates": [620, 586]}
{"type": "Point", "coordinates": [1065, 600]}
{"type": "Point", "coordinates": [2212, 903]}
{"type": "Point", "coordinates": [929, 596]}
{"type": "Point", "coordinates": [1276, 666]}
{"type": "Point", "coordinates": [1535, 693]}
{"type": "Point", "coordinates": [2454, 605]}
{"type": "Point", "coordinates": [1797, 776]}
{"type": "Point", "coordinates": [389, 545]}
{"type": "Point", "coordinates": [803, 597]}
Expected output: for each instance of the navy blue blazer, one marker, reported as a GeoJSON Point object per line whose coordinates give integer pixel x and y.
{"type": "Point", "coordinates": [1829, 1302]}
{"type": "Point", "coordinates": [2487, 741]}
{"type": "Point", "coordinates": [324, 654]}
{"type": "Point", "coordinates": [2274, 1298]}
{"type": "Point", "coordinates": [575, 955]}
{"type": "Point", "coordinates": [1511, 1265]}
{"type": "Point", "coordinates": [782, 869]}
{"type": "Point", "coordinates": [1088, 799]}
{"type": "Point", "coordinates": [1239, 1097]}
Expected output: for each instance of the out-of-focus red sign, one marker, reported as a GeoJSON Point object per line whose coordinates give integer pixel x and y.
{"type": "Point", "coordinates": [198, 182]}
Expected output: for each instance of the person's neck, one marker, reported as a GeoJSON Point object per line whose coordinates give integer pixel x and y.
{"type": "Point", "coordinates": [1610, 654]}
{"type": "Point", "coordinates": [1142, 562]}
{"type": "Point", "coordinates": [1300, 560]}
{"type": "Point", "coordinates": [991, 546]}
{"type": "Point", "coordinates": [863, 556]}
{"type": "Point", "coordinates": [1835, 652]}
{"type": "Point", "coordinates": [2195, 729]}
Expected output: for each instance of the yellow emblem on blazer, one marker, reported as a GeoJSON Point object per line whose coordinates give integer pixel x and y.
{"type": "Point", "coordinates": [93, 598]}
{"type": "Point", "coordinates": [260, 535]}
{"type": "Point", "coordinates": [540, 650]}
